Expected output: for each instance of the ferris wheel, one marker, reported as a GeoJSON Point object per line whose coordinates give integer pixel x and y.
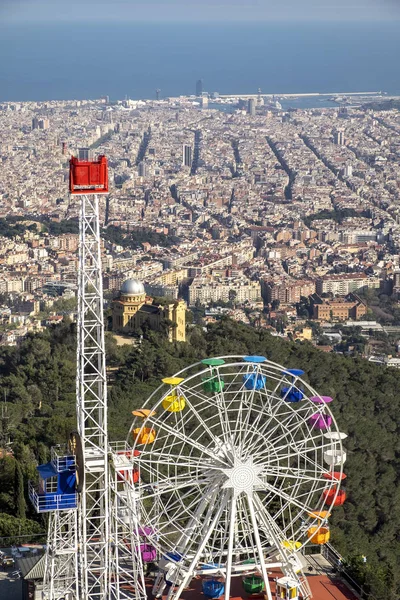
{"type": "Point", "coordinates": [238, 463]}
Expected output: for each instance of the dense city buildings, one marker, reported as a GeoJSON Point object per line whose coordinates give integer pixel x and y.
{"type": "Point", "coordinates": [242, 205]}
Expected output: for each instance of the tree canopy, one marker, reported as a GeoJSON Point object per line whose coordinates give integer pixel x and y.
{"type": "Point", "coordinates": [38, 379]}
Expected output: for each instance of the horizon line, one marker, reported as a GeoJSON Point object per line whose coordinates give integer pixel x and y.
{"type": "Point", "coordinates": [217, 20]}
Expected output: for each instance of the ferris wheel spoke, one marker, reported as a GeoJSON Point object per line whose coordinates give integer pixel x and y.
{"type": "Point", "coordinates": [300, 425]}
{"type": "Point", "coordinates": [247, 399]}
{"type": "Point", "coordinates": [299, 476]}
{"type": "Point", "coordinates": [183, 438]}
{"type": "Point", "coordinates": [286, 421]}
{"type": "Point", "coordinates": [283, 454]}
{"type": "Point", "coordinates": [155, 489]}
{"type": "Point", "coordinates": [296, 455]}
{"type": "Point", "coordinates": [281, 494]}
{"type": "Point", "coordinates": [259, 547]}
{"type": "Point", "coordinates": [232, 522]}
{"type": "Point", "coordinates": [268, 433]}
{"type": "Point", "coordinates": [249, 439]}
{"type": "Point", "coordinates": [218, 403]}
{"type": "Point", "coordinates": [207, 501]}
{"type": "Point", "coordinates": [245, 521]}
{"type": "Point", "coordinates": [202, 545]}
{"type": "Point", "coordinates": [162, 458]}
{"type": "Point", "coordinates": [271, 526]}
{"type": "Point", "coordinates": [314, 441]}
{"type": "Point", "coordinates": [294, 489]}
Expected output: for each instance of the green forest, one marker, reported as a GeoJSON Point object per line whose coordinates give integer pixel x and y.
{"type": "Point", "coordinates": [38, 383]}
{"type": "Point", "coordinates": [12, 227]}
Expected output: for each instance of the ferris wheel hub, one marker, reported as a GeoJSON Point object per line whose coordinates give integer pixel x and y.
{"type": "Point", "coordinates": [243, 477]}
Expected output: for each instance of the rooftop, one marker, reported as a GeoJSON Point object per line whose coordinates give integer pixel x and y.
{"type": "Point", "coordinates": [322, 586]}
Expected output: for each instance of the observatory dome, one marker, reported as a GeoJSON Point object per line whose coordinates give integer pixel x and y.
{"type": "Point", "coordinates": [132, 287]}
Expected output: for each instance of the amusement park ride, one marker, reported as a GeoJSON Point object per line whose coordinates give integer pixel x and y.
{"type": "Point", "coordinates": [230, 469]}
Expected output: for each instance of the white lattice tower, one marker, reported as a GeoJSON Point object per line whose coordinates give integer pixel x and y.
{"type": "Point", "coordinates": [94, 551]}
{"type": "Point", "coordinates": [91, 397]}
{"type": "Point", "coordinates": [126, 566]}
{"type": "Point", "coordinates": [61, 562]}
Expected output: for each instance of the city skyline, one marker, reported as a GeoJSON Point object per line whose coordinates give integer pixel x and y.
{"type": "Point", "coordinates": [193, 10]}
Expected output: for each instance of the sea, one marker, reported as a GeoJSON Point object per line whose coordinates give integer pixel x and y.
{"type": "Point", "coordinates": [59, 61]}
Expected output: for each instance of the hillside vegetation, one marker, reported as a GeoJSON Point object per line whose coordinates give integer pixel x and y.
{"type": "Point", "coordinates": [38, 382]}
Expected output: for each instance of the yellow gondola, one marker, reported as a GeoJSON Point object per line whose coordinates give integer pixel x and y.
{"type": "Point", "coordinates": [319, 535]}
{"type": "Point", "coordinates": [144, 435]}
{"type": "Point", "coordinates": [291, 544]}
{"type": "Point", "coordinates": [173, 402]}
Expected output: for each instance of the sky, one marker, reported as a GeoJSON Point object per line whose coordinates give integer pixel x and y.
{"type": "Point", "coordinates": [20, 11]}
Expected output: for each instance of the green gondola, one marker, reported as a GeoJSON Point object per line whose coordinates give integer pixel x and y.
{"type": "Point", "coordinates": [213, 384]}
{"type": "Point", "coordinates": [253, 584]}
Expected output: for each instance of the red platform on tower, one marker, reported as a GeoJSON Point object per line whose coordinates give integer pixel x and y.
{"type": "Point", "coordinates": [88, 177]}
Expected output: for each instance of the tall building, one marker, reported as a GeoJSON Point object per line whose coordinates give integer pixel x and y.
{"type": "Point", "coordinates": [142, 169]}
{"type": "Point", "coordinates": [204, 102]}
{"type": "Point", "coordinates": [251, 107]}
{"type": "Point", "coordinates": [35, 123]}
{"type": "Point", "coordinates": [187, 157]}
{"type": "Point", "coordinates": [44, 124]}
{"type": "Point", "coordinates": [396, 283]}
{"type": "Point", "coordinates": [85, 154]}
{"type": "Point", "coordinates": [339, 138]}
{"type": "Point", "coordinates": [348, 171]}
{"type": "Point", "coordinates": [199, 87]}
{"type": "Point", "coordinates": [133, 310]}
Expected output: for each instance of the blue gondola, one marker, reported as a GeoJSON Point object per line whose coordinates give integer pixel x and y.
{"type": "Point", "coordinates": [292, 394]}
{"type": "Point", "coordinates": [254, 381]}
{"type": "Point", "coordinates": [213, 588]}
{"type": "Point", "coordinates": [175, 556]}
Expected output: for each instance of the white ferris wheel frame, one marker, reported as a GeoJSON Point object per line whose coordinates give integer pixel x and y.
{"type": "Point", "coordinates": [198, 517]}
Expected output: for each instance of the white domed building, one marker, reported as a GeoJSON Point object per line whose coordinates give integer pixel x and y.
{"type": "Point", "coordinates": [133, 288]}
{"type": "Point", "coordinates": [132, 308]}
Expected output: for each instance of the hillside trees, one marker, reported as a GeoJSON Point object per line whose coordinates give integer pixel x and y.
{"type": "Point", "coordinates": [39, 379]}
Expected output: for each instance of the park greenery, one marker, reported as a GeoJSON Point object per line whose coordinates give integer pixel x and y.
{"type": "Point", "coordinates": [136, 237]}
{"type": "Point", "coordinates": [37, 380]}
{"type": "Point", "coordinates": [337, 215]}
{"type": "Point", "coordinates": [381, 307]}
{"type": "Point", "coordinates": [11, 227]}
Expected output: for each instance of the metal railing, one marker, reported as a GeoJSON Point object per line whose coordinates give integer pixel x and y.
{"type": "Point", "coordinates": [305, 587]}
{"type": "Point", "coordinates": [117, 447]}
{"type": "Point", "coordinates": [46, 502]}
{"type": "Point", "coordinates": [337, 561]}
{"type": "Point", "coordinates": [61, 459]}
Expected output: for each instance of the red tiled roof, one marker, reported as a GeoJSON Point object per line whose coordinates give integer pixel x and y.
{"type": "Point", "coordinates": [322, 587]}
